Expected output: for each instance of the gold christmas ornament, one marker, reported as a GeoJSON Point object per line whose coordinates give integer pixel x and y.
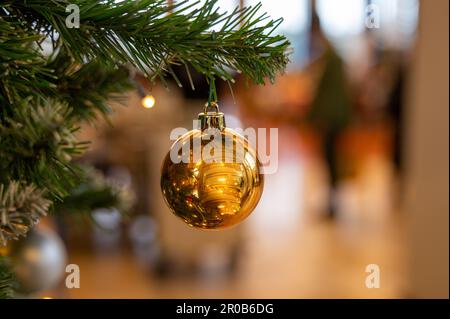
{"type": "Point", "coordinates": [211, 176]}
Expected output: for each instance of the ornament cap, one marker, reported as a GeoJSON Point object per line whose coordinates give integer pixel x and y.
{"type": "Point", "coordinates": [212, 119]}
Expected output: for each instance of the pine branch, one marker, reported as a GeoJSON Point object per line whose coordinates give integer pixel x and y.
{"type": "Point", "coordinates": [36, 131]}
{"type": "Point", "coordinates": [21, 206]}
{"type": "Point", "coordinates": [88, 88]}
{"type": "Point", "coordinates": [37, 144]}
{"type": "Point", "coordinates": [25, 72]}
{"type": "Point", "coordinates": [153, 35]}
{"type": "Point", "coordinates": [7, 281]}
{"type": "Point", "coordinates": [92, 193]}
{"type": "Point", "coordinates": [22, 67]}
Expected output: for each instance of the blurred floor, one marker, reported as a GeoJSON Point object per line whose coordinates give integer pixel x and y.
{"type": "Point", "coordinates": [289, 249]}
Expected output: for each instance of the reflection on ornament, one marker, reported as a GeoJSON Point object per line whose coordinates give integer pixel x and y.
{"type": "Point", "coordinates": [38, 260]}
{"type": "Point", "coordinates": [148, 101]}
{"type": "Point", "coordinates": [220, 184]}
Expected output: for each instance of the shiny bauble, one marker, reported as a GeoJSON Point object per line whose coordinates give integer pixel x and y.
{"type": "Point", "coordinates": [38, 260]}
{"type": "Point", "coordinates": [211, 176]}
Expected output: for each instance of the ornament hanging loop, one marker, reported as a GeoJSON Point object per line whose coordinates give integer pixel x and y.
{"type": "Point", "coordinates": [212, 98]}
{"type": "Point", "coordinates": [211, 105]}
{"type": "Point", "coordinates": [211, 119]}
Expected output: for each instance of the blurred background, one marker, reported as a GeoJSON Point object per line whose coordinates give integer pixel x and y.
{"type": "Point", "coordinates": [362, 118]}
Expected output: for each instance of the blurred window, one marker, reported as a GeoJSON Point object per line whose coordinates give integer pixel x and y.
{"type": "Point", "coordinates": [398, 21]}
{"type": "Point", "coordinates": [341, 18]}
{"type": "Point", "coordinates": [295, 25]}
{"type": "Point", "coordinates": [344, 22]}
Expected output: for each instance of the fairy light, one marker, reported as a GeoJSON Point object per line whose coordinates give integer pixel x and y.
{"type": "Point", "coordinates": [148, 101]}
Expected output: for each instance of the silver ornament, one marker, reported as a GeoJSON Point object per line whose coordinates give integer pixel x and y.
{"type": "Point", "coordinates": [38, 260]}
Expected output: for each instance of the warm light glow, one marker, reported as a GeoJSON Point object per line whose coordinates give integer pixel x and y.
{"type": "Point", "coordinates": [148, 101]}
{"type": "Point", "coordinates": [4, 251]}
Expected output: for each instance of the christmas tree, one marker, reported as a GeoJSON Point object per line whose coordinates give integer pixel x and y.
{"type": "Point", "coordinates": [62, 62]}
